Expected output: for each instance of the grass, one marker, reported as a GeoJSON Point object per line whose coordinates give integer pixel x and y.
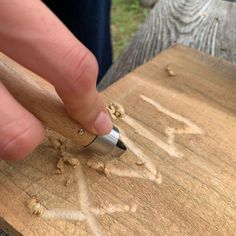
{"type": "Point", "coordinates": [127, 16]}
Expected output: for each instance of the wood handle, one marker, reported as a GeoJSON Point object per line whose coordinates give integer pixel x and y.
{"type": "Point", "coordinates": [41, 99]}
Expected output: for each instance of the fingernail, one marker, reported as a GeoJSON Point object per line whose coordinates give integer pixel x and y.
{"type": "Point", "coordinates": [103, 124]}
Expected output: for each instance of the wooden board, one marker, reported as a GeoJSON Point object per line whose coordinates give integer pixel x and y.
{"type": "Point", "coordinates": [178, 177]}
{"type": "Point", "coordinates": [195, 23]}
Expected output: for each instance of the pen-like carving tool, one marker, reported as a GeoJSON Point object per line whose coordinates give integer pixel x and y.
{"type": "Point", "coordinates": [40, 98]}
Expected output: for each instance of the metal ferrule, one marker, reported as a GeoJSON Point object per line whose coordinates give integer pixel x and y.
{"type": "Point", "coordinates": [109, 143]}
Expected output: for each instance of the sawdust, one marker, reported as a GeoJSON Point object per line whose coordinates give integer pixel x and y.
{"type": "Point", "coordinates": [107, 171]}
{"type": "Point", "coordinates": [35, 207]}
{"type": "Point", "coordinates": [68, 181]}
{"type": "Point", "coordinates": [139, 163]}
{"type": "Point", "coordinates": [69, 159]}
{"type": "Point", "coordinates": [97, 165]}
{"type": "Point", "coordinates": [61, 146]}
{"type": "Point", "coordinates": [56, 143]}
{"type": "Point", "coordinates": [116, 110]}
{"type": "Point", "coordinates": [60, 167]}
{"type": "Point", "coordinates": [170, 71]}
{"type": "Point", "coordinates": [65, 158]}
{"type": "Point", "coordinates": [134, 208]}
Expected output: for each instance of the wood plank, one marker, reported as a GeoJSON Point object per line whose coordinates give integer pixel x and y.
{"type": "Point", "coordinates": [195, 23]}
{"type": "Point", "coordinates": [177, 178]}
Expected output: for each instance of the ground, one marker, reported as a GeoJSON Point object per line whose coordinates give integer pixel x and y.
{"type": "Point", "coordinates": [127, 16]}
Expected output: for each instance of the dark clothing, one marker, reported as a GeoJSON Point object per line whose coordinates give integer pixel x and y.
{"type": "Point", "coordinates": [89, 21]}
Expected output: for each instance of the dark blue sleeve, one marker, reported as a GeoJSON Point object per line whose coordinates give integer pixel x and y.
{"type": "Point", "coordinates": [89, 21]}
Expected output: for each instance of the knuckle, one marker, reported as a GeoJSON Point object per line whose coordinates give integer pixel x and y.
{"type": "Point", "coordinates": [81, 72]}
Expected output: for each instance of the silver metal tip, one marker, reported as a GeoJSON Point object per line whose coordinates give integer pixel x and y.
{"type": "Point", "coordinates": [121, 145]}
{"type": "Point", "coordinates": [119, 149]}
{"type": "Point", "coordinates": [109, 143]}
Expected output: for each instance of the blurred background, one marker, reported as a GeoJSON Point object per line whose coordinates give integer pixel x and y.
{"type": "Point", "coordinates": [126, 18]}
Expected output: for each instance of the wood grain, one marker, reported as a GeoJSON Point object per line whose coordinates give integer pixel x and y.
{"type": "Point", "coordinates": [178, 177]}
{"type": "Point", "coordinates": [195, 23]}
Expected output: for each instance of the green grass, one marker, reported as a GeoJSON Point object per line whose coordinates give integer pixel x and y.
{"type": "Point", "coordinates": [127, 16]}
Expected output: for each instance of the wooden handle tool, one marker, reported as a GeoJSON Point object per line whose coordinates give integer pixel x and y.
{"type": "Point", "coordinates": [41, 99]}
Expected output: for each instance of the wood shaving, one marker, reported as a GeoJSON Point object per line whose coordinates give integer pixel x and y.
{"type": "Point", "coordinates": [65, 146]}
{"type": "Point", "coordinates": [69, 159]}
{"type": "Point", "coordinates": [107, 171]}
{"type": "Point", "coordinates": [116, 110]}
{"type": "Point", "coordinates": [101, 169]}
{"type": "Point", "coordinates": [68, 181]}
{"type": "Point", "coordinates": [35, 206]}
{"type": "Point", "coordinates": [66, 158]}
{"type": "Point", "coordinates": [140, 163]}
{"type": "Point", "coordinates": [56, 143]}
{"type": "Point", "coordinates": [57, 172]}
{"type": "Point", "coordinates": [170, 72]}
{"type": "Point", "coordinates": [134, 208]}
{"type": "Point", "coordinates": [60, 167]}
{"type": "Point", "coordinates": [111, 113]}
{"type": "Point", "coordinates": [96, 165]}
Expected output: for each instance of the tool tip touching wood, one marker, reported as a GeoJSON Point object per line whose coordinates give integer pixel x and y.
{"type": "Point", "coordinates": [45, 104]}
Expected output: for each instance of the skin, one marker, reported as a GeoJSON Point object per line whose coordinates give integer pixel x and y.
{"type": "Point", "coordinates": [33, 36]}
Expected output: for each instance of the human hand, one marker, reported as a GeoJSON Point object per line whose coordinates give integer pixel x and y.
{"type": "Point", "coordinates": [33, 36]}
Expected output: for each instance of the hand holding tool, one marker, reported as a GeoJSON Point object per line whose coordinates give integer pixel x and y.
{"type": "Point", "coordinates": [41, 99]}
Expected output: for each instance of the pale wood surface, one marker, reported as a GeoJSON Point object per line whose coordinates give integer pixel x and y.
{"type": "Point", "coordinates": [186, 134]}
{"type": "Point", "coordinates": [206, 25]}
{"type": "Point", "coordinates": [41, 99]}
